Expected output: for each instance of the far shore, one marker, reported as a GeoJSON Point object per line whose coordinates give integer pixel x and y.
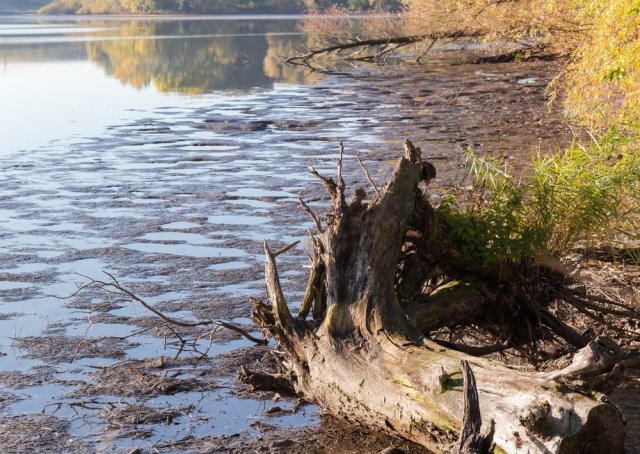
{"type": "Point", "coordinates": [174, 16]}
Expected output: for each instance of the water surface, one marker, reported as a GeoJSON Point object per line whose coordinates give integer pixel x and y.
{"type": "Point", "coordinates": [63, 76]}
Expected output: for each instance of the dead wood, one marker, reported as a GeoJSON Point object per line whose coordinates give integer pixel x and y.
{"type": "Point", "coordinates": [365, 360]}
{"type": "Point", "coordinates": [352, 50]}
{"type": "Point", "coordinates": [264, 381]}
{"type": "Point", "coordinates": [114, 286]}
{"type": "Point", "coordinates": [472, 440]}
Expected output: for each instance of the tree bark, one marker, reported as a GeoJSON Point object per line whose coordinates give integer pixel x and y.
{"type": "Point", "coordinates": [367, 362]}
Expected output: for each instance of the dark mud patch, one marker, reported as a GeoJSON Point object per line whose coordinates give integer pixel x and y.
{"type": "Point", "coordinates": [135, 415]}
{"type": "Point", "coordinates": [18, 294]}
{"type": "Point", "coordinates": [7, 399]}
{"type": "Point", "coordinates": [38, 433]}
{"type": "Point", "coordinates": [297, 125]}
{"type": "Point", "coordinates": [90, 305]}
{"type": "Point", "coordinates": [331, 437]}
{"type": "Point", "coordinates": [7, 316]}
{"type": "Point", "coordinates": [150, 378]}
{"type": "Point", "coordinates": [64, 349]}
{"type": "Point", "coordinates": [38, 376]}
{"type": "Point", "coordinates": [228, 125]}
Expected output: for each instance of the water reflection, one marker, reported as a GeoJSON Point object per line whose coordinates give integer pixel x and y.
{"type": "Point", "coordinates": [173, 56]}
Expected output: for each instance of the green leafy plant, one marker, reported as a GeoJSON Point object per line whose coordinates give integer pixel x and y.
{"type": "Point", "coordinates": [588, 195]}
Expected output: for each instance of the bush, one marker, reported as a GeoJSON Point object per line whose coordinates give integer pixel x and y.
{"type": "Point", "coordinates": [603, 82]}
{"type": "Point", "coordinates": [586, 196]}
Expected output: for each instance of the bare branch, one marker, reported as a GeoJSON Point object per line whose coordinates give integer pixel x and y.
{"type": "Point", "coordinates": [313, 288]}
{"type": "Point", "coordinates": [366, 173]}
{"type": "Point", "coordinates": [280, 309]}
{"type": "Point", "coordinates": [114, 284]}
{"type": "Point", "coordinates": [286, 248]}
{"type": "Point", "coordinates": [313, 215]}
{"type": "Point", "coordinates": [387, 44]}
{"type": "Point", "coordinates": [341, 184]}
{"type": "Point", "coordinates": [331, 186]}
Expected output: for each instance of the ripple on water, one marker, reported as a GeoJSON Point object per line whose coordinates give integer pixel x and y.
{"type": "Point", "coordinates": [238, 219]}
{"type": "Point", "coordinates": [191, 238]}
{"type": "Point", "coordinates": [179, 225]}
{"type": "Point", "coordinates": [187, 250]}
{"type": "Point", "coordinates": [252, 203]}
{"type": "Point", "coordinates": [26, 268]}
{"type": "Point", "coordinates": [12, 285]}
{"type": "Point", "coordinates": [259, 193]}
{"type": "Point", "coordinates": [227, 266]}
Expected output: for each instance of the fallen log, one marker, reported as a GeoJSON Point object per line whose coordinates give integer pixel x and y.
{"type": "Point", "coordinates": [367, 362]}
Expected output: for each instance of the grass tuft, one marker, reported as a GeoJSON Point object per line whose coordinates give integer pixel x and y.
{"type": "Point", "coordinates": [584, 197]}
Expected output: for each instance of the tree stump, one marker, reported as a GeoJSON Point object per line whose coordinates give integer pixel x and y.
{"type": "Point", "coordinates": [365, 360]}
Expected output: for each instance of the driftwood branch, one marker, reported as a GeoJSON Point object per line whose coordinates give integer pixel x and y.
{"type": "Point", "coordinates": [385, 46]}
{"type": "Point", "coordinates": [114, 284]}
{"type": "Point", "coordinates": [314, 216]}
{"type": "Point", "coordinates": [264, 381]}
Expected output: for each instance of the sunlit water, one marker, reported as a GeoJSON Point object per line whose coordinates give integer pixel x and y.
{"type": "Point", "coordinates": [163, 152]}
{"type": "Point", "coordinates": [63, 78]}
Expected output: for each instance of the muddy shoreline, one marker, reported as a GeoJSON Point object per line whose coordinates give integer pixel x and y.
{"type": "Point", "coordinates": [177, 206]}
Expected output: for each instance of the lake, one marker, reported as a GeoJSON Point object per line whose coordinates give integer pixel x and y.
{"type": "Point", "coordinates": [164, 151]}
{"type": "Point", "coordinates": [75, 76]}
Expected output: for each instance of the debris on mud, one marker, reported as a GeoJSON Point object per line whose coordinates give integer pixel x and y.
{"type": "Point", "coordinates": [59, 349]}
{"type": "Point", "coordinates": [149, 378]}
{"type": "Point", "coordinates": [38, 433]}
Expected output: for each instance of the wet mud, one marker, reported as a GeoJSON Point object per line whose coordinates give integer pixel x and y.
{"type": "Point", "coordinates": [176, 207]}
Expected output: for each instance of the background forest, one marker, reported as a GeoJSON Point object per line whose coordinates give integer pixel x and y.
{"type": "Point", "coordinates": [207, 6]}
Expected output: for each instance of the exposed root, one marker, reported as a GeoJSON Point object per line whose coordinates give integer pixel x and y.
{"type": "Point", "coordinates": [264, 381]}
{"type": "Point", "coordinates": [364, 359]}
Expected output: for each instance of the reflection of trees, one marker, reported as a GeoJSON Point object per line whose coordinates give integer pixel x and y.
{"type": "Point", "coordinates": [41, 52]}
{"type": "Point", "coordinates": [281, 47]}
{"type": "Point", "coordinates": [182, 56]}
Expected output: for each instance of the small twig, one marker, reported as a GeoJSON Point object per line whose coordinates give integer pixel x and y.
{"type": "Point", "coordinates": [144, 330]}
{"type": "Point", "coordinates": [331, 186]}
{"type": "Point", "coordinates": [366, 173]}
{"type": "Point", "coordinates": [314, 216]}
{"type": "Point", "coordinates": [286, 248]}
{"type": "Point", "coordinates": [116, 285]}
{"type": "Point", "coordinates": [604, 300]}
{"type": "Point", "coordinates": [589, 301]}
{"type": "Point", "coordinates": [314, 240]}
{"type": "Point", "coordinates": [341, 184]}
{"type": "Point", "coordinates": [84, 336]}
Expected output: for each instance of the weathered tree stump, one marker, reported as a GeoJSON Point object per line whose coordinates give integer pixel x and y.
{"type": "Point", "coordinates": [366, 361]}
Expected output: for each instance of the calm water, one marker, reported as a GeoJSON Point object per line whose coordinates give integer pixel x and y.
{"type": "Point", "coordinates": [62, 77]}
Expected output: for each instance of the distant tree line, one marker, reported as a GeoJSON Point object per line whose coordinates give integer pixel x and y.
{"type": "Point", "coordinates": [209, 6]}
